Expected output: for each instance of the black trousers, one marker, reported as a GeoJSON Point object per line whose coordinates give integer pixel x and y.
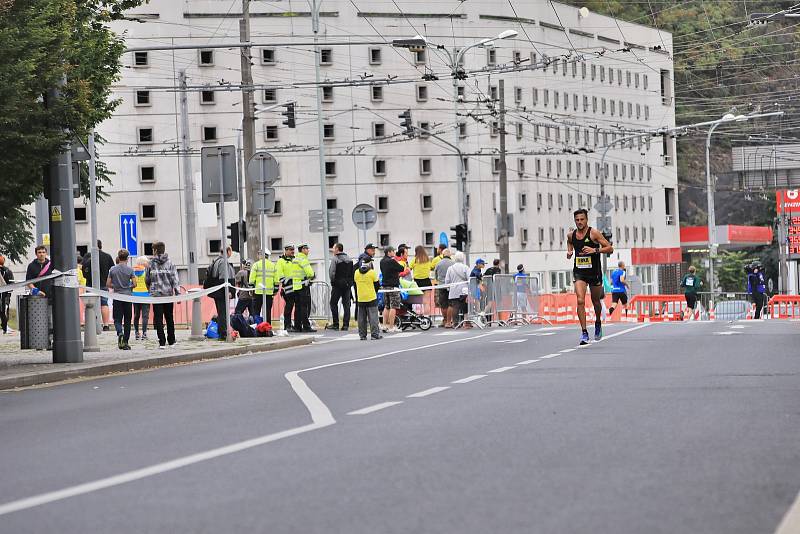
{"type": "Point", "coordinates": [245, 303]}
{"type": "Point", "coordinates": [122, 318]}
{"type": "Point", "coordinates": [760, 300]}
{"type": "Point", "coordinates": [222, 314]}
{"type": "Point", "coordinates": [258, 302]}
{"type": "Point", "coordinates": [302, 310]}
{"type": "Point", "coordinates": [5, 302]}
{"type": "Point", "coordinates": [289, 300]}
{"type": "Point", "coordinates": [161, 313]}
{"type": "Point", "coordinates": [141, 311]}
{"type": "Point", "coordinates": [343, 294]}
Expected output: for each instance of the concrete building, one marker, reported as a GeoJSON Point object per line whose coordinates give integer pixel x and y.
{"type": "Point", "coordinates": [574, 82]}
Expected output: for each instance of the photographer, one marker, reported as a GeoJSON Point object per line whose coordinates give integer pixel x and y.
{"type": "Point", "coordinates": [756, 287]}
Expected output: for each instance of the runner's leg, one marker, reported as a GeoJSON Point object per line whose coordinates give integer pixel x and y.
{"type": "Point", "coordinates": [580, 293]}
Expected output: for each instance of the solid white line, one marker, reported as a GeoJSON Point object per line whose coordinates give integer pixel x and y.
{"type": "Point", "coordinates": [468, 379]}
{"type": "Point", "coordinates": [547, 356]}
{"type": "Point", "coordinates": [566, 350]}
{"type": "Point", "coordinates": [635, 328]}
{"type": "Point", "coordinates": [526, 362]}
{"type": "Point", "coordinates": [503, 369]}
{"type": "Point", "coordinates": [791, 521]}
{"type": "Point", "coordinates": [374, 408]}
{"type": "Point", "coordinates": [425, 393]}
{"type": "Point", "coordinates": [320, 414]}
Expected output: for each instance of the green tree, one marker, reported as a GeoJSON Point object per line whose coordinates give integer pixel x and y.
{"type": "Point", "coordinates": [43, 42]}
{"type": "Point", "coordinates": [731, 270]}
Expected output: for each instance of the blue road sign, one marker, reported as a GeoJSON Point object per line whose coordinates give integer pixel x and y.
{"type": "Point", "coordinates": [128, 233]}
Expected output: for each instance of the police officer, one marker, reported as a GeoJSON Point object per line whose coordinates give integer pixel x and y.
{"type": "Point", "coordinates": [262, 277]}
{"type": "Point", "coordinates": [303, 271]}
{"type": "Point", "coordinates": [285, 274]}
{"type": "Point", "coordinates": [756, 286]}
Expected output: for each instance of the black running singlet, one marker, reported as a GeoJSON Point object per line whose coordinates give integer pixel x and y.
{"type": "Point", "coordinates": [586, 265]}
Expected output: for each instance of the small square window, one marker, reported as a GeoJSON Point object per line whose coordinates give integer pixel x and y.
{"type": "Point", "coordinates": [148, 212]}
{"type": "Point", "coordinates": [142, 98]}
{"type": "Point", "coordinates": [426, 202]}
{"type": "Point", "coordinates": [462, 130]}
{"type": "Point", "coordinates": [209, 134]}
{"type": "Point", "coordinates": [422, 93]}
{"type": "Point", "coordinates": [378, 129]}
{"type": "Point", "coordinates": [331, 203]}
{"type": "Point", "coordinates": [328, 132]}
{"type": "Point", "coordinates": [147, 173]}
{"type": "Point", "coordinates": [144, 135]}
{"type": "Point", "coordinates": [271, 132]}
{"type": "Point", "coordinates": [495, 165]}
{"type": "Point", "coordinates": [80, 214]}
{"type": "Point", "coordinates": [213, 246]}
{"type": "Point", "coordinates": [376, 93]}
{"type": "Point", "coordinates": [276, 244]}
{"type": "Point", "coordinates": [379, 167]}
{"type": "Point", "coordinates": [383, 239]}
{"type": "Point", "coordinates": [491, 56]}
{"type": "Point", "coordinates": [277, 212]}
{"type": "Point", "coordinates": [427, 239]}
{"type": "Point", "coordinates": [206, 58]}
{"type": "Point", "coordinates": [330, 169]}
{"type": "Point", "coordinates": [141, 59]}
{"type": "Point", "coordinates": [326, 56]}
{"type": "Point", "coordinates": [327, 93]}
{"type": "Point", "coordinates": [382, 203]}
{"type": "Point", "coordinates": [375, 56]}
{"type": "Point", "coordinates": [420, 57]}
{"type": "Point", "coordinates": [425, 126]}
{"type": "Point", "coordinates": [267, 56]}
{"type": "Point", "coordinates": [147, 249]}
{"type": "Point", "coordinates": [207, 97]}
{"type": "Point", "coordinates": [425, 166]}
{"type": "Point", "coordinates": [271, 95]}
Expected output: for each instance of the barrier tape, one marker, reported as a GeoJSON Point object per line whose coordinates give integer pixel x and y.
{"type": "Point", "coordinates": [426, 288]}
{"type": "Point", "coordinates": [185, 297]}
{"type": "Point", "coordinates": [22, 285]}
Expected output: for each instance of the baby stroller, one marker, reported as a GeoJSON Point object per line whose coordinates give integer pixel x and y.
{"type": "Point", "coordinates": [406, 317]}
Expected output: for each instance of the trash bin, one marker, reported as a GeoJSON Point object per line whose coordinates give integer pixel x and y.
{"type": "Point", "coordinates": [34, 322]}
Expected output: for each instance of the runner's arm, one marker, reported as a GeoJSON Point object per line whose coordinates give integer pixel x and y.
{"type": "Point", "coordinates": [570, 250]}
{"type": "Point", "coordinates": [605, 246]}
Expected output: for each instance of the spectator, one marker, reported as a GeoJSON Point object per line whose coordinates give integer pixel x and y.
{"type": "Point", "coordinates": [106, 263]}
{"type": "Point", "coordinates": [367, 255]}
{"type": "Point", "coordinates": [141, 311]}
{"type": "Point", "coordinates": [494, 269]}
{"type": "Point", "coordinates": [366, 281]}
{"type": "Point", "coordinates": [41, 266]}
{"type": "Point", "coordinates": [442, 296]}
{"type": "Point", "coordinates": [6, 277]}
{"type": "Point", "coordinates": [122, 279]}
{"type": "Point", "coordinates": [162, 279]}
{"type": "Point", "coordinates": [341, 276]}
{"type": "Point", "coordinates": [421, 266]}
{"type": "Point", "coordinates": [440, 248]}
{"type": "Point", "coordinates": [219, 272]}
{"type": "Point", "coordinates": [242, 280]}
{"type": "Point", "coordinates": [477, 271]}
{"type": "Point", "coordinates": [756, 286]}
{"type": "Point", "coordinates": [391, 271]}
{"type": "Point", "coordinates": [458, 276]}
{"type": "Point", "coordinates": [79, 268]}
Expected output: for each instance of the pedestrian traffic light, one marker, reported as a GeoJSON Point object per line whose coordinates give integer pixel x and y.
{"type": "Point", "coordinates": [290, 115]}
{"type": "Point", "coordinates": [407, 124]}
{"type": "Point", "coordinates": [459, 235]}
{"type": "Point", "coordinates": [233, 236]}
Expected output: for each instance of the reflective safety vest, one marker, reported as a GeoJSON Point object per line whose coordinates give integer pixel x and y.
{"type": "Point", "coordinates": [304, 269]}
{"type": "Point", "coordinates": [262, 277]}
{"type": "Point", "coordinates": [289, 274]}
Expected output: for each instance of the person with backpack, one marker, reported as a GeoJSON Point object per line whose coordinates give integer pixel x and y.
{"type": "Point", "coordinates": [219, 272]}
{"type": "Point", "coordinates": [106, 262]}
{"type": "Point", "coordinates": [341, 275]}
{"type": "Point", "coordinates": [161, 277]}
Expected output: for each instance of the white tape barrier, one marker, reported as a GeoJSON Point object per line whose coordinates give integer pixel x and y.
{"type": "Point", "coordinates": [185, 297]}
{"type": "Point", "coordinates": [22, 285]}
{"type": "Point", "coordinates": [427, 288]}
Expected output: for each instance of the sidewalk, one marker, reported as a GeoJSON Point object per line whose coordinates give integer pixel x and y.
{"type": "Point", "coordinates": [22, 368]}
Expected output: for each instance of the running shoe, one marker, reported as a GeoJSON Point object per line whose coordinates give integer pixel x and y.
{"type": "Point", "coordinates": [585, 338]}
{"type": "Point", "coordinates": [598, 332]}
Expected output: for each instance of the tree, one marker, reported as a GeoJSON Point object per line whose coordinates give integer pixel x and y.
{"type": "Point", "coordinates": [43, 42]}
{"type": "Point", "coordinates": [731, 273]}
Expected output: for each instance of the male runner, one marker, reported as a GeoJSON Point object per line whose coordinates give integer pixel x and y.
{"type": "Point", "coordinates": [619, 289]}
{"type": "Point", "coordinates": [587, 244]}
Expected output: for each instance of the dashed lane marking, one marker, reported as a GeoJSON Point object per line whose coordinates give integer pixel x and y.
{"type": "Point", "coordinates": [503, 369]}
{"type": "Point", "coordinates": [546, 356]}
{"type": "Point", "coordinates": [405, 334]}
{"type": "Point", "coordinates": [566, 350]}
{"type": "Point", "coordinates": [509, 341]}
{"type": "Point", "coordinates": [468, 379]}
{"type": "Point", "coordinates": [541, 334]}
{"type": "Point", "coordinates": [427, 392]}
{"type": "Point", "coordinates": [374, 408]}
{"type": "Point", "coordinates": [452, 333]}
{"type": "Point", "coordinates": [526, 362]}
{"type": "Point", "coordinates": [726, 333]}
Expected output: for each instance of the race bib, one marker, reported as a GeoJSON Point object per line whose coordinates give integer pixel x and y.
{"type": "Point", "coordinates": [690, 281]}
{"type": "Point", "coordinates": [583, 262]}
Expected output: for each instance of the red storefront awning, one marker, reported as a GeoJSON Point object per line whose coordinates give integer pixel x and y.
{"type": "Point", "coordinates": [728, 236]}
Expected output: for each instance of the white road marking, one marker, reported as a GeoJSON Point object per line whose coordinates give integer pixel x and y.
{"type": "Point", "coordinates": [738, 326]}
{"type": "Point", "coordinates": [548, 356]}
{"type": "Point", "coordinates": [541, 334]}
{"type": "Point", "coordinates": [503, 369]}
{"type": "Point", "coordinates": [452, 333]}
{"type": "Point", "coordinates": [320, 415]}
{"type": "Point", "coordinates": [405, 334]}
{"type": "Point", "coordinates": [791, 521]}
{"type": "Point", "coordinates": [374, 408]}
{"type": "Point", "coordinates": [566, 350]}
{"type": "Point", "coordinates": [726, 333]}
{"type": "Point", "coordinates": [635, 328]}
{"type": "Point", "coordinates": [468, 379]}
{"type": "Point", "coordinates": [552, 328]}
{"type": "Point", "coordinates": [526, 362]}
{"type": "Point", "coordinates": [509, 341]}
{"type": "Point", "coordinates": [425, 393]}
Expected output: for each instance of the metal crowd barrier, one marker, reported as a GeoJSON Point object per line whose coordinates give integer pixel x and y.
{"type": "Point", "coordinates": [516, 299]}
{"type": "Point", "coordinates": [320, 301]}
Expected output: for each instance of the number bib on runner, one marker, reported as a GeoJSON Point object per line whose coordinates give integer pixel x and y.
{"type": "Point", "coordinates": [689, 281]}
{"type": "Point", "coordinates": [583, 262]}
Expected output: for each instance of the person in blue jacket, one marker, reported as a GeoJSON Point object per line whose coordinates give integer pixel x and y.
{"type": "Point", "coordinates": [756, 286]}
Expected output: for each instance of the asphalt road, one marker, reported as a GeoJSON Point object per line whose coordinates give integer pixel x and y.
{"type": "Point", "coordinates": [663, 428]}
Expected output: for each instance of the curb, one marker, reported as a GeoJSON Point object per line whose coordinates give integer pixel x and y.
{"type": "Point", "coordinates": [105, 368]}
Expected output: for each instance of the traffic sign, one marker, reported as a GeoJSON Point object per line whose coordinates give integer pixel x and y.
{"type": "Point", "coordinates": [604, 205]}
{"type": "Point", "coordinates": [128, 233]}
{"type": "Point", "coordinates": [603, 223]}
{"type": "Point", "coordinates": [218, 173]}
{"type": "Point", "coordinates": [264, 200]}
{"type": "Point", "coordinates": [262, 169]}
{"type": "Point", "coordinates": [335, 220]}
{"type": "Point", "coordinates": [364, 216]}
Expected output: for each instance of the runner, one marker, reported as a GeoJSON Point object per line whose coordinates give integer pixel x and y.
{"type": "Point", "coordinates": [690, 284]}
{"type": "Point", "coordinates": [619, 289]}
{"type": "Point", "coordinates": [587, 244]}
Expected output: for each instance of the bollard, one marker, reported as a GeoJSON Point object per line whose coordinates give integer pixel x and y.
{"type": "Point", "coordinates": [197, 321]}
{"type": "Point", "coordinates": [90, 324]}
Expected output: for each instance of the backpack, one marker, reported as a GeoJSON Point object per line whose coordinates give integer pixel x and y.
{"type": "Point", "coordinates": [343, 276]}
{"type": "Point", "coordinates": [241, 325]}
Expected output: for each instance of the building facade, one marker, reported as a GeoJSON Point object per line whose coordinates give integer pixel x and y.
{"type": "Point", "coordinates": [573, 84]}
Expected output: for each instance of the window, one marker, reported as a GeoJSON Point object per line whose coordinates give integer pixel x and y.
{"type": "Point", "coordinates": [425, 126]}
{"type": "Point", "coordinates": [523, 236]}
{"type": "Point", "coordinates": [271, 95]}
{"type": "Point", "coordinates": [462, 129]}
{"type": "Point", "coordinates": [555, 66]}
{"type": "Point", "coordinates": [326, 56]}
{"type": "Point", "coordinates": [383, 239]}
{"type": "Point", "coordinates": [538, 201]}
{"type": "Point", "coordinates": [578, 169]}
{"type": "Point", "coordinates": [147, 173]}
{"type": "Point", "coordinates": [517, 57]}
{"type": "Point", "coordinates": [564, 67]}
{"type": "Point", "coordinates": [569, 168]}
{"type": "Point", "coordinates": [376, 93]}
{"type": "Point", "coordinates": [585, 103]}
{"type": "Point", "coordinates": [206, 58]}
{"type": "Point", "coordinates": [603, 106]}
{"type": "Point", "coordinates": [378, 129]}
{"type": "Point", "coordinates": [209, 134]}
{"type": "Point", "coordinates": [518, 95]}
{"type": "Point", "coordinates": [147, 249]}
{"type": "Point", "coordinates": [555, 99]}
{"type": "Point", "coordinates": [647, 113]}
{"type": "Point", "coordinates": [541, 235]}
{"type": "Point", "coordinates": [379, 167]}
{"type": "Point", "coordinates": [327, 93]}
{"type": "Point", "coordinates": [627, 234]}
{"type": "Point", "coordinates": [594, 104]}
{"type": "Point", "coordinates": [549, 167]}
{"type": "Point", "coordinates": [633, 203]}
{"type": "Point", "coordinates": [546, 97]}
{"type": "Point", "coordinates": [613, 108]}
{"type": "Point", "coordinates": [535, 132]}
{"type": "Point", "coordinates": [277, 212]}
{"type": "Point", "coordinates": [611, 76]}
{"type": "Point", "coordinates": [583, 70]}
{"type": "Point", "coordinates": [602, 74]}
{"type": "Point", "coordinates": [550, 202]}
{"type": "Point", "coordinates": [537, 166]}
{"type": "Point", "coordinates": [330, 169]}
{"type": "Point", "coordinates": [495, 165]}
{"type": "Point", "coordinates": [276, 244]}
{"type": "Point", "coordinates": [628, 78]}
{"type": "Point", "coordinates": [625, 203]}
{"type": "Point", "coordinates": [422, 93]}
{"type": "Point", "coordinates": [521, 166]}
{"type": "Point", "coordinates": [649, 203]}
{"type": "Point", "coordinates": [420, 57]}
{"type": "Point", "coordinates": [560, 201]}
{"type": "Point", "coordinates": [535, 97]}
{"type": "Point", "coordinates": [80, 214]}
{"type": "Point", "coordinates": [630, 110]}
{"type": "Point", "coordinates": [425, 166]}
{"type": "Point", "coordinates": [141, 59]}
{"type": "Point", "coordinates": [271, 132]}
{"type": "Point", "coordinates": [574, 68]}
{"type": "Point", "coordinates": [331, 203]}
{"type": "Point", "coordinates": [144, 135]}
{"type": "Point", "coordinates": [382, 203]}
{"type": "Point", "coordinates": [427, 239]}
{"type": "Point", "coordinates": [519, 130]}
{"type": "Point", "coordinates": [148, 212]}
{"type": "Point", "coordinates": [636, 80]}
{"type": "Point", "coordinates": [638, 111]}
{"type": "Point", "coordinates": [328, 132]}
{"type": "Point", "coordinates": [426, 202]}
{"type": "Point", "coordinates": [213, 246]}
{"type": "Point", "coordinates": [491, 56]}
{"type": "Point", "coordinates": [552, 235]}
{"type": "Point", "coordinates": [523, 201]}
{"type": "Point", "coordinates": [493, 93]}
{"type": "Point", "coordinates": [267, 56]}
{"type": "Point", "coordinates": [594, 72]}
{"type": "Point", "coordinates": [207, 97]}
{"type": "Point", "coordinates": [575, 102]}
{"type": "Point", "coordinates": [375, 56]}
{"type": "Point", "coordinates": [142, 98]}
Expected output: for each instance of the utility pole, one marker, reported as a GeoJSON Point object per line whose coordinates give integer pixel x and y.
{"type": "Point", "coordinates": [248, 135]}
{"type": "Point", "coordinates": [42, 220]}
{"type": "Point", "coordinates": [504, 230]}
{"type": "Point", "coordinates": [67, 343]}
{"type": "Point", "coordinates": [322, 192]}
{"type": "Point", "coordinates": [188, 184]}
{"type": "Point", "coordinates": [94, 257]}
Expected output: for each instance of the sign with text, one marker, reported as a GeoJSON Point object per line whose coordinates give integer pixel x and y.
{"type": "Point", "coordinates": [788, 200]}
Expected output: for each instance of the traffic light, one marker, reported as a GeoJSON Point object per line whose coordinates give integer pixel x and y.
{"type": "Point", "coordinates": [290, 115]}
{"type": "Point", "coordinates": [459, 235]}
{"type": "Point", "coordinates": [609, 236]}
{"type": "Point", "coordinates": [233, 236]}
{"type": "Point", "coordinates": [408, 126]}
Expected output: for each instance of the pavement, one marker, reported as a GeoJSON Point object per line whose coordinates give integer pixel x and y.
{"type": "Point", "coordinates": [658, 428]}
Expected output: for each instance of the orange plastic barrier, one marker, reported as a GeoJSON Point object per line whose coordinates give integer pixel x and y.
{"type": "Point", "coordinates": [654, 308]}
{"type": "Point", "coordinates": [784, 307]}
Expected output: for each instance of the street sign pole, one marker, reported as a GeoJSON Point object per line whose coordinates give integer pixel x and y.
{"type": "Point", "coordinates": [224, 242]}
{"type": "Point", "coordinates": [364, 225]}
{"type": "Point", "coordinates": [262, 231]}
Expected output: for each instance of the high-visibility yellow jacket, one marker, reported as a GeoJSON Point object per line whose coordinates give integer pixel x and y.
{"type": "Point", "coordinates": [301, 262]}
{"type": "Point", "coordinates": [262, 277]}
{"type": "Point", "coordinates": [289, 274]}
